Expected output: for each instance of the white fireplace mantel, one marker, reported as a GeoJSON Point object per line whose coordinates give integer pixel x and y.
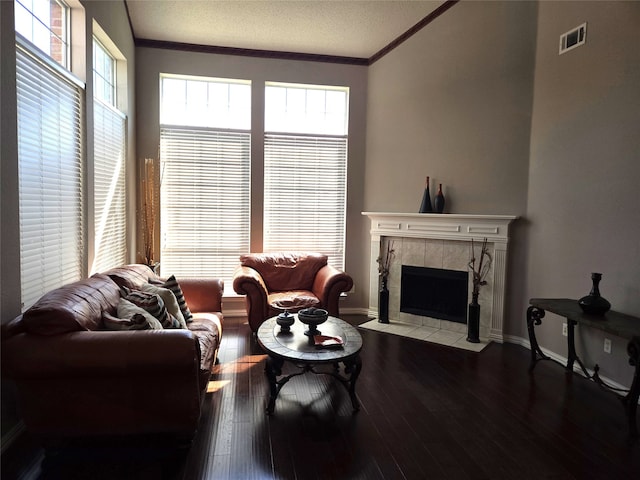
{"type": "Point", "coordinates": [453, 227]}
{"type": "Point", "coordinates": [448, 226]}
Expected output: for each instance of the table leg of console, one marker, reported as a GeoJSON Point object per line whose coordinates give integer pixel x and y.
{"type": "Point", "coordinates": [630, 401]}
{"type": "Point", "coordinates": [534, 317]}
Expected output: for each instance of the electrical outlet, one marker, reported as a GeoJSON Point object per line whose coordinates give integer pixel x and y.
{"type": "Point", "coordinates": [607, 345]}
{"type": "Point", "coordinates": [564, 329]}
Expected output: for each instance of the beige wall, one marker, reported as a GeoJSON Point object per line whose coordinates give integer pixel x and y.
{"type": "Point", "coordinates": [583, 204]}
{"type": "Point", "coordinates": [454, 103]}
{"type": "Point", "coordinates": [9, 241]}
{"type": "Point", "coordinates": [151, 62]}
{"type": "Point", "coordinates": [9, 233]}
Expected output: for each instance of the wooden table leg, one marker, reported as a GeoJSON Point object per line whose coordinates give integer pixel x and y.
{"type": "Point", "coordinates": [353, 367]}
{"type": "Point", "coordinates": [630, 401]}
{"type": "Point", "coordinates": [534, 317]}
{"type": "Point", "coordinates": [273, 368]}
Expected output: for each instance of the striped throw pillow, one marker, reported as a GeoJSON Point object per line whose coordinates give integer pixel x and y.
{"type": "Point", "coordinates": [126, 309]}
{"type": "Point", "coordinates": [169, 300]}
{"type": "Point", "coordinates": [172, 284]}
{"type": "Point", "coordinates": [153, 304]}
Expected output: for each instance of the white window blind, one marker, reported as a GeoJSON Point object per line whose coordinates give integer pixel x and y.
{"type": "Point", "coordinates": [305, 194]}
{"type": "Point", "coordinates": [110, 128]}
{"type": "Point", "coordinates": [205, 201]}
{"type": "Point", "coordinates": [50, 151]}
{"type": "Point", "coordinates": [305, 169]}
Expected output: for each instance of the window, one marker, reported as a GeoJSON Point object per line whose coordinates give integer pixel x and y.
{"type": "Point", "coordinates": [205, 156]}
{"type": "Point", "coordinates": [44, 24]}
{"type": "Point", "coordinates": [104, 74]}
{"type": "Point", "coordinates": [110, 127]}
{"type": "Point", "coordinates": [305, 169]}
{"type": "Point", "coordinates": [50, 152]}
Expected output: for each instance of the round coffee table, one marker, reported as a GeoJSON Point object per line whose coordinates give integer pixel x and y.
{"type": "Point", "coordinates": [299, 349]}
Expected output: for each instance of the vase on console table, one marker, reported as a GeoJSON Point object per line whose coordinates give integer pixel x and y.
{"type": "Point", "coordinates": [593, 303]}
{"type": "Point", "coordinates": [383, 301]}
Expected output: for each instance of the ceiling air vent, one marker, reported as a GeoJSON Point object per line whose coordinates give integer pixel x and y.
{"type": "Point", "coordinates": [573, 38]}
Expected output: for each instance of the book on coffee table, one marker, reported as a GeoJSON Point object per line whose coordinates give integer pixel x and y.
{"type": "Point", "coordinates": [326, 341]}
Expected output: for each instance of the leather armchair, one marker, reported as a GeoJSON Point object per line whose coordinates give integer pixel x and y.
{"type": "Point", "coordinates": [273, 282]}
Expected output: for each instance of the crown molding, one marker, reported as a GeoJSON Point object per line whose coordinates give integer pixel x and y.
{"type": "Point", "coordinates": [282, 55]}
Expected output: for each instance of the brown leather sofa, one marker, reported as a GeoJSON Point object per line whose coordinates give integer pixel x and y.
{"type": "Point", "coordinates": [273, 282]}
{"type": "Point", "coordinates": [75, 379]}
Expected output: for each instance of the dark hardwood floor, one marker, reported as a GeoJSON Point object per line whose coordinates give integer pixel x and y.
{"type": "Point", "coordinates": [428, 412]}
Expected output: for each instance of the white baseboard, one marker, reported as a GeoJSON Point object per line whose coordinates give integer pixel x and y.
{"type": "Point", "coordinates": [563, 360]}
{"type": "Point", "coordinates": [228, 313]}
{"type": "Point", "coordinates": [354, 311]}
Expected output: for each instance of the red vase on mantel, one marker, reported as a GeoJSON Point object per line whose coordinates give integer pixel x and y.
{"type": "Point", "coordinates": [439, 200]}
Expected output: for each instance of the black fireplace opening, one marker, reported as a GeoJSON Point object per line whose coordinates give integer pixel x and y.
{"type": "Point", "coordinates": [434, 292]}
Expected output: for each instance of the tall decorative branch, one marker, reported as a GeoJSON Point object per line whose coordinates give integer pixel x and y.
{"type": "Point", "coordinates": [482, 270]}
{"type": "Point", "coordinates": [384, 261]}
{"type": "Point", "coordinates": [149, 210]}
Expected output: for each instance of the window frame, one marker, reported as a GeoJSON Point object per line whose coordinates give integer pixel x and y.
{"type": "Point", "coordinates": [212, 145]}
{"type": "Point", "coordinates": [112, 81]}
{"type": "Point", "coordinates": [110, 221]}
{"type": "Point", "coordinates": [64, 36]}
{"type": "Point", "coordinates": [317, 200]}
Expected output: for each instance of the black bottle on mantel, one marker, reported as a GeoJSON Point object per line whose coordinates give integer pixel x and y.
{"type": "Point", "coordinates": [425, 206]}
{"type": "Point", "coordinates": [439, 200]}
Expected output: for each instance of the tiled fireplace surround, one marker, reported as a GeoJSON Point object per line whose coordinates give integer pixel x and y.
{"type": "Point", "coordinates": [439, 241]}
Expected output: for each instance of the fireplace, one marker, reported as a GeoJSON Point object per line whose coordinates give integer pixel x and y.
{"type": "Point", "coordinates": [440, 242]}
{"type": "Point", "coordinates": [434, 292]}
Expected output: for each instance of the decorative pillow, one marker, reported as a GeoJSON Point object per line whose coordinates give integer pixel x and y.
{"type": "Point", "coordinates": [153, 304]}
{"type": "Point", "coordinates": [126, 309]}
{"type": "Point", "coordinates": [137, 322]}
{"type": "Point", "coordinates": [172, 284]}
{"type": "Point", "coordinates": [169, 299]}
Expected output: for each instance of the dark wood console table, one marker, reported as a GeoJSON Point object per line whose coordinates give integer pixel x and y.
{"type": "Point", "coordinates": [615, 323]}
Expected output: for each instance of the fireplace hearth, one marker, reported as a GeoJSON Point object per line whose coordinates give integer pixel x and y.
{"type": "Point", "coordinates": [434, 292]}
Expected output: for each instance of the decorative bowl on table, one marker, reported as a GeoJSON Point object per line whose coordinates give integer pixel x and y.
{"type": "Point", "coordinates": [312, 317]}
{"type": "Point", "coordinates": [285, 320]}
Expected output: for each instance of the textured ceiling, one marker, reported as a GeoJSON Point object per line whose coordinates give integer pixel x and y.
{"type": "Point", "coordinates": [348, 28]}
